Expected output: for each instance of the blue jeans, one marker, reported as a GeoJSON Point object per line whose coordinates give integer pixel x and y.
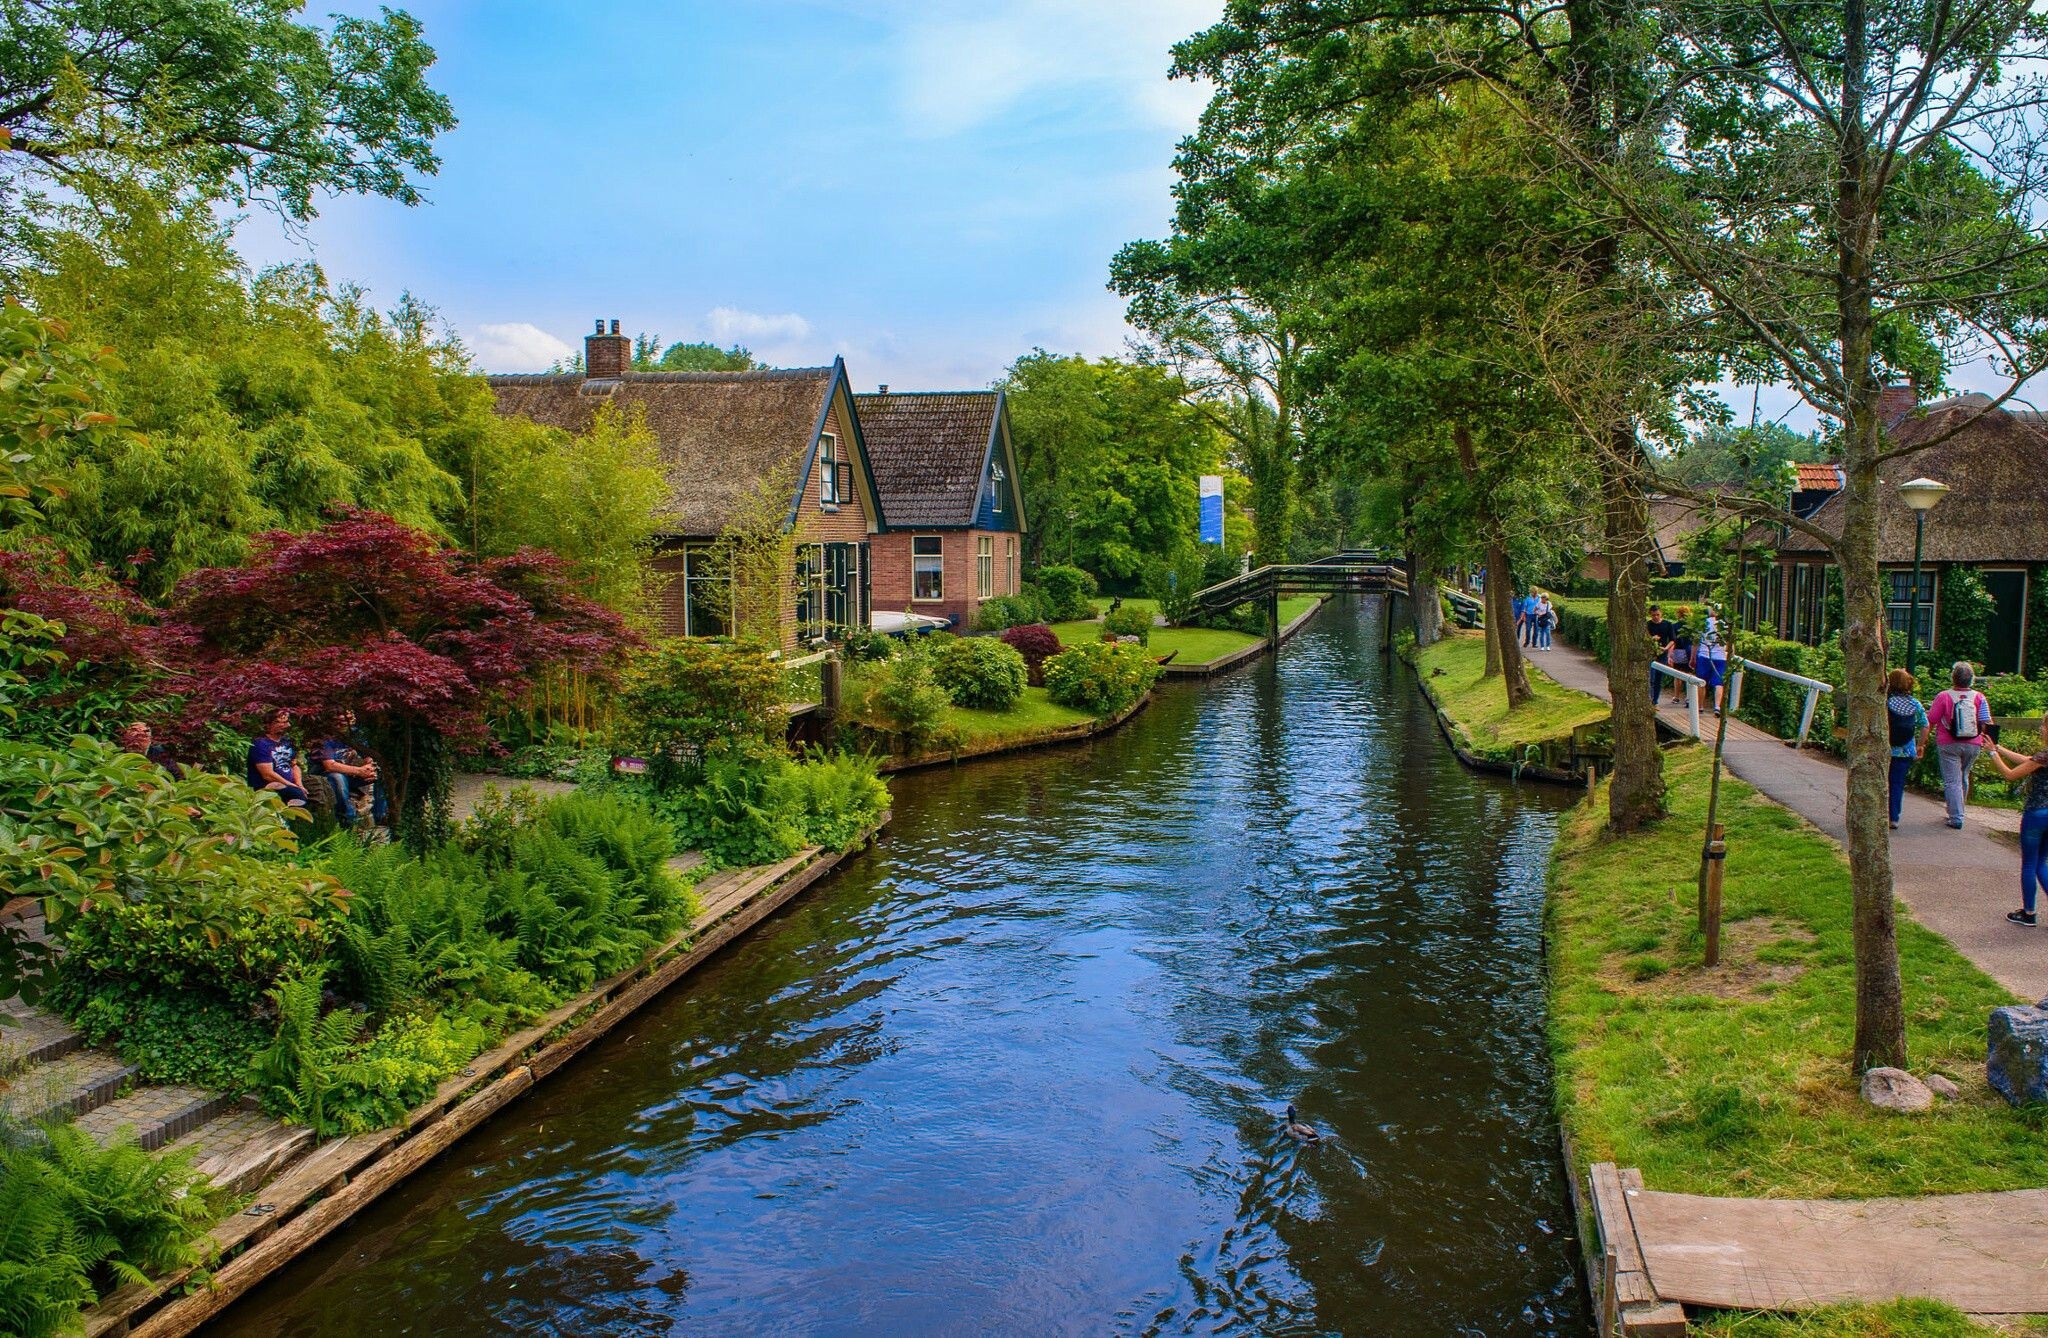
{"type": "Point", "coordinates": [1900, 766]}
{"type": "Point", "coordinates": [2033, 855]}
{"type": "Point", "coordinates": [344, 787]}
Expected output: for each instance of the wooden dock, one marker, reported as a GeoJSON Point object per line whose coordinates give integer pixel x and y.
{"type": "Point", "coordinates": [1985, 1254]}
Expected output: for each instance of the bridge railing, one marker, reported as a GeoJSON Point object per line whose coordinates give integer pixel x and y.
{"type": "Point", "coordinates": [1329, 577]}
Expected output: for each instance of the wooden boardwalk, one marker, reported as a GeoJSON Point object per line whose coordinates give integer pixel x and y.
{"type": "Point", "coordinates": [1986, 1254]}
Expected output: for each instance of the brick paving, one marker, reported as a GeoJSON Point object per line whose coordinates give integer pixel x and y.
{"type": "Point", "coordinates": [74, 1084]}
{"type": "Point", "coordinates": [154, 1115]}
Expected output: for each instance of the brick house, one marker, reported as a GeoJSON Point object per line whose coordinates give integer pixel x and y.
{"type": "Point", "coordinates": [946, 472]}
{"type": "Point", "coordinates": [724, 437]}
{"type": "Point", "coordinates": [1993, 461]}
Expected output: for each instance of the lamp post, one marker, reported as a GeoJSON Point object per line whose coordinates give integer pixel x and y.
{"type": "Point", "coordinates": [1920, 495]}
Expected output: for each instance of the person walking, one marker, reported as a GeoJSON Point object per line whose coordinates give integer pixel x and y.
{"type": "Point", "coordinates": [1907, 720]}
{"type": "Point", "coordinates": [1961, 719]}
{"type": "Point", "coordinates": [1712, 655]}
{"type": "Point", "coordinates": [1661, 632]}
{"type": "Point", "coordinates": [1525, 614]}
{"type": "Point", "coordinates": [2033, 822]}
{"type": "Point", "coordinates": [1546, 618]}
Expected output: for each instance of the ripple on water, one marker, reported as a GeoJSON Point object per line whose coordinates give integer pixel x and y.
{"type": "Point", "coordinates": [1020, 1067]}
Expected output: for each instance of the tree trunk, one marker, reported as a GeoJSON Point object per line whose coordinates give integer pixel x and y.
{"type": "Point", "coordinates": [1636, 795]}
{"type": "Point", "coordinates": [1425, 604]}
{"type": "Point", "coordinates": [1880, 1006]}
{"type": "Point", "coordinates": [1512, 670]}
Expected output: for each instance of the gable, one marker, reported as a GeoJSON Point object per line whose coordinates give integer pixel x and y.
{"type": "Point", "coordinates": [929, 452]}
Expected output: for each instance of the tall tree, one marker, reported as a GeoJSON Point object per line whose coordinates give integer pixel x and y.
{"type": "Point", "coordinates": [236, 98]}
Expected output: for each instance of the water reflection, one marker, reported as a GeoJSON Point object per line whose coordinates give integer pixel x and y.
{"type": "Point", "coordinates": [1020, 1068]}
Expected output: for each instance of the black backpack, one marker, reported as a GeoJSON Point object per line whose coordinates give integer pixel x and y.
{"type": "Point", "coordinates": [1904, 723]}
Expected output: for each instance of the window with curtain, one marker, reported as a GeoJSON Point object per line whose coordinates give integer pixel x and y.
{"type": "Point", "coordinates": [927, 568]}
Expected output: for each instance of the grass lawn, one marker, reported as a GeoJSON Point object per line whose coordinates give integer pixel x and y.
{"type": "Point", "coordinates": [1454, 668]}
{"type": "Point", "coordinates": [1194, 645]}
{"type": "Point", "coordinates": [1035, 713]}
{"type": "Point", "coordinates": [1895, 1319]}
{"type": "Point", "coordinates": [1737, 1081]}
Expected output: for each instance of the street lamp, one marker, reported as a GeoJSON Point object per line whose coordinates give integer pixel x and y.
{"type": "Point", "coordinates": [1920, 495]}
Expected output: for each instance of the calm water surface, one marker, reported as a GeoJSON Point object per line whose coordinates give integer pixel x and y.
{"type": "Point", "coordinates": [1018, 1069]}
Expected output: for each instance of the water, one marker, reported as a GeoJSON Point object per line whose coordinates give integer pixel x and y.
{"type": "Point", "coordinates": [1019, 1068]}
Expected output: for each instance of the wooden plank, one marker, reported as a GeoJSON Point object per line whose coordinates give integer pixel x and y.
{"type": "Point", "coordinates": [1982, 1253]}
{"type": "Point", "coordinates": [1631, 1281]}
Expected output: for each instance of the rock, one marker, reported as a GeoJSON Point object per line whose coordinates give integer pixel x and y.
{"type": "Point", "coordinates": [1942, 1087]}
{"type": "Point", "coordinates": [2016, 1053]}
{"type": "Point", "coordinates": [1896, 1089]}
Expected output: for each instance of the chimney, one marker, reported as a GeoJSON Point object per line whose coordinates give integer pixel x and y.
{"type": "Point", "coordinates": [882, 389]}
{"type": "Point", "coordinates": [607, 355]}
{"type": "Point", "coordinates": [1898, 400]}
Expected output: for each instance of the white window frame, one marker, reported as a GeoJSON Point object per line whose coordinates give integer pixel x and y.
{"type": "Point", "coordinates": [937, 558]}
{"type": "Point", "coordinates": [984, 566]}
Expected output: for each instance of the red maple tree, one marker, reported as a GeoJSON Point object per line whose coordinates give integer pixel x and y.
{"type": "Point", "coordinates": [368, 615]}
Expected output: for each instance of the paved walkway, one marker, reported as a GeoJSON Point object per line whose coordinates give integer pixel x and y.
{"type": "Point", "coordinates": [1959, 884]}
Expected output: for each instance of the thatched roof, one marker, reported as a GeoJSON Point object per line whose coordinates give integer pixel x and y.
{"type": "Point", "coordinates": [929, 452]}
{"type": "Point", "coordinates": [721, 433]}
{"type": "Point", "coordinates": [1996, 469]}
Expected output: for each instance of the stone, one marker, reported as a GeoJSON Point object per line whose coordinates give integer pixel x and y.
{"type": "Point", "coordinates": [1942, 1087]}
{"type": "Point", "coordinates": [2016, 1053]}
{"type": "Point", "coordinates": [1896, 1089]}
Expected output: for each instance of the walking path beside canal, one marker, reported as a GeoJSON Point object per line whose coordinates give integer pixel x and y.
{"type": "Point", "coordinates": [1960, 884]}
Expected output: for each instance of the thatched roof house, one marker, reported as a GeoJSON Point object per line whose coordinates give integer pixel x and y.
{"type": "Point", "coordinates": [1994, 461]}
{"type": "Point", "coordinates": [946, 473]}
{"type": "Point", "coordinates": [723, 438]}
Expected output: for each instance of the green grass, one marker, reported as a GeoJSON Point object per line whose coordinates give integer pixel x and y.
{"type": "Point", "coordinates": [1454, 669]}
{"type": "Point", "coordinates": [1034, 714]}
{"type": "Point", "coordinates": [1894, 1319]}
{"type": "Point", "coordinates": [1189, 645]}
{"type": "Point", "coordinates": [1736, 1081]}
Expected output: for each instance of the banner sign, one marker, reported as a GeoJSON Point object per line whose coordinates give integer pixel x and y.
{"type": "Point", "coordinates": [1212, 508]}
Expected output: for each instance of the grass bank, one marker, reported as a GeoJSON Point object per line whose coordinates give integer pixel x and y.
{"type": "Point", "coordinates": [1453, 670]}
{"type": "Point", "coordinates": [1736, 1081]}
{"type": "Point", "coordinates": [1034, 714]}
{"type": "Point", "coordinates": [1188, 645]}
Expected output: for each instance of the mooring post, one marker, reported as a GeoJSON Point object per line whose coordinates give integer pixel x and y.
{"type": "Point", "coordinates": [830, 682]}
{"type": "Point", "coordinates": [1273, 618]}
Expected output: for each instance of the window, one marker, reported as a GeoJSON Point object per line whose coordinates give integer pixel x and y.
{"type": "Point", "coordinates": [984, 566]}
{"type": "Point", "coordinates": [1010, 565]}
{"type": "Point", "coordinates": [707, 593]}
{"type": "Point", "coordinates": [1802, 580]}
{"type": "Point", "coordinates": [810, 565]}
{"type": "Point", "coordinates": [832, 484]}
{"type": "Point", "coordinates": [842, 571]}
{"type": "Point", "coordinates": [1898, 604]}
{"type": "Point", "coordinates": [927, 568]}
{"type": "Point", "coordinates": [995, 488]}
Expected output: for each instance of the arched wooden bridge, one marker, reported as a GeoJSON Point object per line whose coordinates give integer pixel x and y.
{"type": "Point", "coordinates": [1352, 571]}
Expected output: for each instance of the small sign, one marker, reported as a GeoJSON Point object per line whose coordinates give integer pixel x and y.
{"type": "Point", "coordinates": [1212, 509]}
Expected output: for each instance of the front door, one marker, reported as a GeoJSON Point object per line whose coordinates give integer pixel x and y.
{"type": "Point", "coordinates": [2008, 591]}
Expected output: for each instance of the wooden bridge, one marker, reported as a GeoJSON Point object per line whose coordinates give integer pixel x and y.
{"type": "Point", "coordinates": [1352, 571]}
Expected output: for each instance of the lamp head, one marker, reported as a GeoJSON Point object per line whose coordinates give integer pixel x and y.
{"type": "Point", "coordinates": [1922, 494]}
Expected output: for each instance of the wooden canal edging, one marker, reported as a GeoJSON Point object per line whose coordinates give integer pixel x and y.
{"type": "Point", "coordinates": [1249, 653]}
{"type": "Point", "coordinates": [313, 1197]}
{"type": "Point", "coordinates": [1626, 1303]}
{"type": "Point", "coordinates": [1578, 776]}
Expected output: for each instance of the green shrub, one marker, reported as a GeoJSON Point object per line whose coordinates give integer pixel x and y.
{"type": "Point", "coordinates": [236, 949]}
{"type": "Point", "coordinates": [1586, 627]}
{"type": "Point", "coordinates": [1128, 621]}
{"type": "Point", "coordinates": [1005, 611]}
{"type": "Point", "coordinates": [1101, 677]}
{"type": "Point", "coordinates": [194, 1036]}
{"type": "Point", "coordinates": [900, 704]}
{"type": "Point", "coordinates": [980, 672]}
{"type": "Point", "coordinates": [1064, 593]}
{"type": "Point", "coordinates": [740, 812]}
{"type": "Point", "coordinates": [2011, 695]}
{"type": "Point", "coordinates": [843, 797]}
{"type": "Point", "coordinates": [1775, 706]}
{"type": "Point", "coordinates": [685, 702]}
{"type": "Point", "coordinates": [1174, 581]}
{"type": "Point", "coordinates": [1966, 612]}
{"type": "Point", "coordinates": [863, 644]}
{"type": "Point", "coordinates": [82, 1219]}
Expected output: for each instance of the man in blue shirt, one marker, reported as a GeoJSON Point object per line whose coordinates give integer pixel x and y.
{"type": "Point", "coordinates": [346, 762]}
{"type": "Point", "coordinates": [274, 763]}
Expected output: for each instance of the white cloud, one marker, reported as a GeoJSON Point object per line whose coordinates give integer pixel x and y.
{"type": "Point", "coordinates": [516, 347]}
{"type": "Point", "coordinates": [730, 325]}
{"type": "Point", "coordinates": [963, 66]}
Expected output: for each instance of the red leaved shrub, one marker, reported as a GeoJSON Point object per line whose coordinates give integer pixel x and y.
{"type": "Point", "coordinates": [1036, 643]}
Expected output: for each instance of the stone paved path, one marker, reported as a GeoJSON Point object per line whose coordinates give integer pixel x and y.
{"type": "Point", "coordinates": [469, 788]}
{"type": "Point", "coordinates": [1959, 884]}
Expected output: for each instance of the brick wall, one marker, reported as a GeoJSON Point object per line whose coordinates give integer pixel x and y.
{"type": "Point", "coordinates": [891, 556]}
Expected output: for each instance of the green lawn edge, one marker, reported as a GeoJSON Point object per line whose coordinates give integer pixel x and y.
{"type": "Point", "coordinates": [1453, 671]}
{"type": "Point", "coordinates": [1736, 1081]}
{"type": "Point", "coordinates": [1193, 647]}
{"type": "Point", "coordinates": [1034, 714]}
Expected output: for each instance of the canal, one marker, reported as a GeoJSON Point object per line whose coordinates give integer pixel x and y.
{"type": "Point", "coordinates": [1020, 1067]}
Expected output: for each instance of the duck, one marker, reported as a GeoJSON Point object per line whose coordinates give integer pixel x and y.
{"type": "Point", "coordinates": [1299, 1132]}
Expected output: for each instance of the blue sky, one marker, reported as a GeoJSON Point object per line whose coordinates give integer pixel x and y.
{"type": "Point", "coordinates": [929, 189]}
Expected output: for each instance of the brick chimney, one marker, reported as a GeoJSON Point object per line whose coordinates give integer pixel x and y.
{"type": "Point", "coordinates": [1899, 399]}
{"type": "Point", "coordinates": [606, 355]}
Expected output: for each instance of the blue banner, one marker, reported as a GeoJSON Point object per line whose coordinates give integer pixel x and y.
{"type": "Point", "coordinates": [1212, 509]}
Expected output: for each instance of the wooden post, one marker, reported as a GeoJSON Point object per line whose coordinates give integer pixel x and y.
{"type": "Point", "coordinates": [1710, 926]}
{"type": "Point", "coordinates": [1273, 618]}
{"type": "Point", "coordinates": [831, 683]}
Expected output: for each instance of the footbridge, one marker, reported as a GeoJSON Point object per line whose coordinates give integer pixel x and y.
{"type": "Point", "coordinates": [1351, 571]}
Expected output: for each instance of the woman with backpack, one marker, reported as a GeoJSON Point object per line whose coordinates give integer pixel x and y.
{"type": "Point", "coordinates": [1711, 659]}
{"type": "Point", "coordinates": [1962, 722]}
{"type": "Point", "coordinates": [2033, 822]}
{"type": "Point", "coordinates": [1907, 719]}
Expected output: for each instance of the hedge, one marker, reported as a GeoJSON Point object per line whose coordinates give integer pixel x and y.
{"type": "Point", "coordinates": [1583, 623]}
